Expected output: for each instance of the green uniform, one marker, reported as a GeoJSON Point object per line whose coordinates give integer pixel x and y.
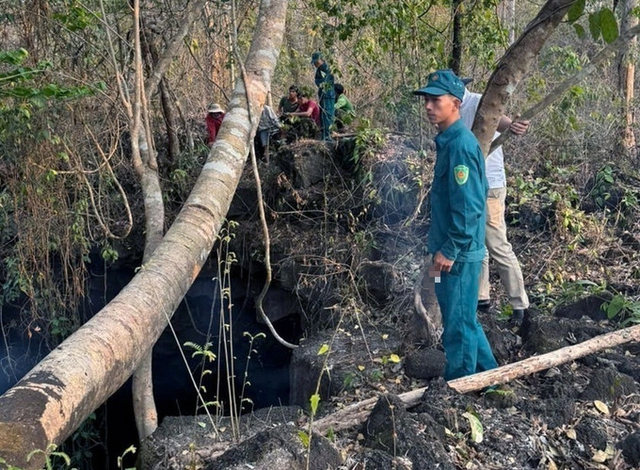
{"type": "Point", "coordinates": [458, 196]}
{"type": "Point", "coordinates": [344, 112]}
{"type": "Point", "coordinates": [327, 97]}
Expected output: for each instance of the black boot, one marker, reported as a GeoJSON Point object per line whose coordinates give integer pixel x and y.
{"type": "Point", "coordinates": [484, 305]}
{"type": "Point", "coordinates": [515, 322]}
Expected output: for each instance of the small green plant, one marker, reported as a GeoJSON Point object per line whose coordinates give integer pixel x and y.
{"type": "Point", "coordinates": [626, 310]}
{"type": "Point", "coordinates": [314, 402]}
{"type": "Point", "coordinates": [207, 356]}
{"type": "Point", "coordinates": [245, 381]}
{"type": "Point", "coordinates": [129, 450]}
{"type": "Point", "coordinates": [604, 181]}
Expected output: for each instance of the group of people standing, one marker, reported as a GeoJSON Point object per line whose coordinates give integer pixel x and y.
{"type": "Point", "coordinates": [298, 110]}
{"type": "Point", "coordinates": [333, 110]}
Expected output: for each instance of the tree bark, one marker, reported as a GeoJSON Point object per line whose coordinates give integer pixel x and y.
{"type": "Point", "coordinates": [57, 395]}
{"type": "Point", "coordinates": [455, 61]}
{"type": "Point", "coordinates": [515, 63]}
{"type": "Point", "coordinates": [626, 80]}
{"type": "Point", "coordinates": [356, 413]}
{"type": "Point", "coordinates": [144, 406]}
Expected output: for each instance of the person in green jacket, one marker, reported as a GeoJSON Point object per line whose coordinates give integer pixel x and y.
{"type": "Point", "coordinates": [456, 236]}
{"type": "Point", "coordinates": [343, 108]}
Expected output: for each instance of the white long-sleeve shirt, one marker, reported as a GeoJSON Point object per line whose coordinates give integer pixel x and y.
{"type": "Point", "coordinates": [495, 161]}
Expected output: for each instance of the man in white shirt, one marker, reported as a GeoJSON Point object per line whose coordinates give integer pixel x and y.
{"type": "Point", "coordinates": [498, 247]}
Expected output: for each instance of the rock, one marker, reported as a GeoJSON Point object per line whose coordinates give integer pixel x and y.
{"type": "Point", "coordinates": [307, 163]}
{"type": "Point", "coordinates": [592, 433]}
{"type": "Point", "coordinates": [555, 413]}
{"type": "Point", "coordinates": [425, 364]}
{"type": "Point", "coordinates": [630, 447]}
{"type": "Point", "coordinates": [608, 385]}
{"type": "Point", "coordinates": [278, 448]}
{"type": "Point", "coordinates": [590, 307]}
{"type": "Point", "coordinates": [374, 459]}
{"type": "Point", "coordinates": [347, 352]}
{"type": "Point", "coordinates": [266, 435]}
{"type": "Point", "coordinates": [380, 281]}
{"type": "Point", "coordinates": [415, 436]}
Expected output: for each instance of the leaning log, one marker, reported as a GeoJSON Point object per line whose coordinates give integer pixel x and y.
{"type": "Point", "coordinates": [59, 393]}
{"type": "Point", "coordinates": [357, 413]}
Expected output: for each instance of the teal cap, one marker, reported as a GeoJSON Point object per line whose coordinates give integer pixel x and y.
{"type": "Point", "coordinates": [443, 82]}
{"type": "Point", "coordinates": [315, 57]}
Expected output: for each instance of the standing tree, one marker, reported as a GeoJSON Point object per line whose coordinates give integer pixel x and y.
{"type": "Point", "coordinates": [627, 56]}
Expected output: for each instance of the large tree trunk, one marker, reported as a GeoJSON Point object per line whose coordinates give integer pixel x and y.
{"type": "Point", "coordinates": [515, 63]}
{"type": "Point", "coordinates": [57, 395]}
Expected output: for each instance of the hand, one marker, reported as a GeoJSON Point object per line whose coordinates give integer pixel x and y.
{"type": "Point", "coordinates": [441, 263]}
{"type": "Point", "coordinates": [518, 127]}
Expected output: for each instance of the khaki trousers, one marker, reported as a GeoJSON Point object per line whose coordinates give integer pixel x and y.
{"type": "Point", "coordinates": [500, 250]}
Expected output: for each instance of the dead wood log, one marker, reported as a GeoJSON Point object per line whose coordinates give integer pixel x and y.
{"type": "Point", "coordinates": [357, 413]}
{"type": "Point", "coordinates": [425, 320]}
{"type": "Point", "coordinates": [535, 364]}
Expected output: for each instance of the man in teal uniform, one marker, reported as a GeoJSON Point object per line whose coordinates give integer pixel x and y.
{"type": "Point", "coordinates": [326, 93]}
{"type": "Point", "coordinates": [456, 236]}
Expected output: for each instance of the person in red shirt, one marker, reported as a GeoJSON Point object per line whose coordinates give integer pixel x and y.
{"type": "Point", "coordinates": [309, 114]}
{"type": "Point", "coordinates": [215, 115]}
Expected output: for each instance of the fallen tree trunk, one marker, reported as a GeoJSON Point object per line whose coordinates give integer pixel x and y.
{"type": "Point", "coordinates": [355, 414]}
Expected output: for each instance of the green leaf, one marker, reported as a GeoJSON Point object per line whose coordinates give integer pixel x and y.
{"type": "Point", "coordinates": [594, 25]}
{"type": "Point", "coordinates": [13, 57]}
{"type": "Point", "coordinates": [304, 438]}
{"type": "Point", "coordinates": [576, 11]}
{"type": "Point", "coordinates": [314, 400]}
{"type": "Point", "coordinates": [580, 31]}
{"type": "Point", "coordinates": [476, 427]}
{"type": "Point", "coordinates": [324, 349]}
{"type": "Point", "coordinates": [608, 25]}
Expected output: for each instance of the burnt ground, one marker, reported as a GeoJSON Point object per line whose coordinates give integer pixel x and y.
{"type": "Point", "coordinates": [352, 253]}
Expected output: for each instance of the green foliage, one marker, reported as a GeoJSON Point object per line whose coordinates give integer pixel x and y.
{"type": "Point", "coordinates": [477, 431]}
{"type": "Point", "coordinates": [603, 23]}
{"type": "Point", "coordinates": [205, 352]}
{"type": "Point", "coordinates": [554, 294]}
{"type": "Point", "coordinates": [76, 18]}
{"type": "Point", "coordinates": [314, 401]}
{"type": "Point", "coordinates": [626, 310]}
{"type": "Point", "coordinates": [602, 187]}
{"type": "Point", "coordinates": [368, 141]}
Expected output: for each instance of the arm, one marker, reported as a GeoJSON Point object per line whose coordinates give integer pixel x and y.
{"type": "Point", "coordinates": [306, 113]}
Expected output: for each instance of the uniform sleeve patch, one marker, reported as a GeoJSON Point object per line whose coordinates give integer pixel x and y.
{"type": "Point", "coordinates": [461, 173]}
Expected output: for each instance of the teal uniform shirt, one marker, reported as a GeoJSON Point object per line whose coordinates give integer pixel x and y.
{"type": "Point", "coordinates": [458, 196]}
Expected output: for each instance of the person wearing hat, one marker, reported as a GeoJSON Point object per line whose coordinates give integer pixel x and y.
{"type": "Point", "coordinates": [326, 93]}
{"type": "Point", "coordinates": [498, 246]}
{"type": "Point", "coordinates": [215, 115]}
{"type": "Point", "coordinates": [456, 235]}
